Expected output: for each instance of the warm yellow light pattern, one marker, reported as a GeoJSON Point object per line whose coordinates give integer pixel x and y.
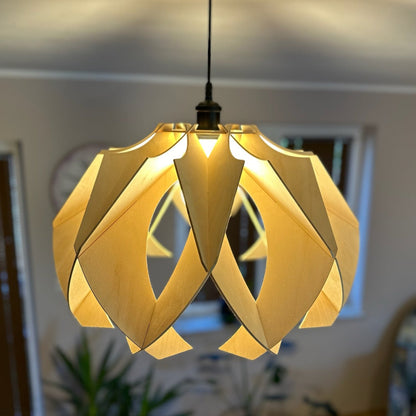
{"type": "Point", "coordinates": [103, 233]}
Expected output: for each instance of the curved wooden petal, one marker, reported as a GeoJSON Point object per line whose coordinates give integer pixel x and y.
{"type": "Point", "coordinates": [83, 303]}
{"type": "Point", "coordinates": [298, 261]}
{"type": "Point", "coordinates": [244, 345]}
{"type": "Point", "coordinates": [81, 300]}
{"type": "Point", "coordinates": [296, 172]}
{"type": "Point", "coordinates": [344, 224]}
{"type": "Point", "coordinates": [113, 260]}
{"type": "Point", "coordinates": [328, 304]}
{"type": "Point", "coordinates": [132, 346]}
{"type": "Point", "coordinates": [67, 222]}
{"type": "Point", "coordinates": [250, 340]}
{"type": "Point", "coordinates": [295, 273]}
{"type": "Point", "coordinates": [233, 288]}
{"type": "Point", "coordinates": [170, 343]}
{"type": "Point", "coordinates": [185, 282]}
{"type": "Point", "coordinates": [179, 203]}
{"type": "Point", "coordinates": [276, 348]}
{"type": "Point", "coordinates": [338, 215]}
{"type": "Point", "coordinates": [118, 168]}
{"type": "Point", "coordinates": [209, 185]}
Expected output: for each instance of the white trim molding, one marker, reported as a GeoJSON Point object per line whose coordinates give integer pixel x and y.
{"type": "Point", "coordinates": [15, 73]}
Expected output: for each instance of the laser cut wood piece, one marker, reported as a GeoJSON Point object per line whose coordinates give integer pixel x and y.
{"type": "Point", "coordinates": [82, 301]}
{"type": "Point", "coordinates": [179, 202]}
{"type": "Point", "coordinates": [343, 225]}
{"type": "Point", "coordinates": [104, 232]}
{"type": "Point", "coordinates": [209, 186]}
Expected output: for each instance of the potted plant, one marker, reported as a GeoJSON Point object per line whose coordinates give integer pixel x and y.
{"type": "Point", "coordinates": [88, 388]}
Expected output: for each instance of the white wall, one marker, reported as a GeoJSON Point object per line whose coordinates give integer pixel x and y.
{"type": "Point", "coordinates": [347, 363]}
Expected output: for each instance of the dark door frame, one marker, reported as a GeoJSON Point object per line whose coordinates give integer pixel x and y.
{"type": "Point", "coordinates": [18, 283]}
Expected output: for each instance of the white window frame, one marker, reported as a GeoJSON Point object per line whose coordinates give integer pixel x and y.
{"type": "Point", "coordinates": [12, 149]}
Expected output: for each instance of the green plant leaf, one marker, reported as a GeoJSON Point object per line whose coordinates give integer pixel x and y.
{"type": "Point", "coordinates": [104, 366]}
{"type": "Point", "coordinates": [104, 389]}
{"type": "Point", "coordinates": [70, 367]}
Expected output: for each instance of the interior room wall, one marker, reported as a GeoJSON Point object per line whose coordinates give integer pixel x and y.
{"type": "Point", "coordinates": [348, 363]}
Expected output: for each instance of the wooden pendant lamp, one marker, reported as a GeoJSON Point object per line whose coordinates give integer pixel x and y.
{"type": "Point", "coordinates": [103, 233]}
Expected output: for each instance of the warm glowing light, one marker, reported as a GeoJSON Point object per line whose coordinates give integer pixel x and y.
{"type": "Point", "coordinates": [104, 232]}
{"type": "Point", "coordinates": [208, 145]}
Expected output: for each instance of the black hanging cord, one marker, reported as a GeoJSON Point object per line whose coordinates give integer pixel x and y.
{"type": "Point", "coordinates": [208, 87]}
{"type": "Point", "coordinates": [208, 111]}
{"type": "Point", "coordinates": [209, 38]}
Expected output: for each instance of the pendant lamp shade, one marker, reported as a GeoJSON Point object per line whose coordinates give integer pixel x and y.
{"type": "Point", "coordinates": [101, 237]}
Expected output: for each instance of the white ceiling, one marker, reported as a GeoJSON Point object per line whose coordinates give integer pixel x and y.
{"type": "Point", "coordinates": [349, 41]}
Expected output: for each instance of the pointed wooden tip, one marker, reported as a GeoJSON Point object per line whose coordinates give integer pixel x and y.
{"type": "Point", "coordinates": [156, 249]}
{"type": "Point", "coordinates": [258, 250]}
{"type": "Point", "coordinates": [328, 304]}
{"type": "Point", "coordinates": [133, 347]}
{"type": "Point", "coordinates": [170, 343]}
{"type": "Point", "coordinates": [276, 348]}
{"type": "Point", "coordinates": [243, 345]}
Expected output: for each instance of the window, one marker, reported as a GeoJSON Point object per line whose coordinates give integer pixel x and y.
{"type": "Point", "coordinates": [347, 153]}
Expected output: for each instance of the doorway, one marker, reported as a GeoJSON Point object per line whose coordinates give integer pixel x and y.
{"type": "Point", "coordinates": [19, 380]}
